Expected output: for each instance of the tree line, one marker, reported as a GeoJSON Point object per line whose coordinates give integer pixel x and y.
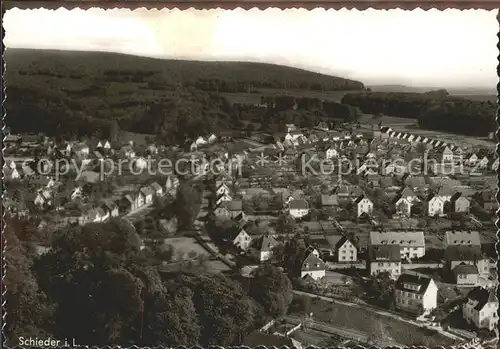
{"type": "Point", "coordinates": [434, 110]}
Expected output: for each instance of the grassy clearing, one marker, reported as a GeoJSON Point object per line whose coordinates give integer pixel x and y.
{"type": "Point", "coordinates": [373, 324]}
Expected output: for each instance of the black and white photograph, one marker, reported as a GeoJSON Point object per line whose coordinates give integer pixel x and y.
{"type": "Point", "coordinates": [264, 177]}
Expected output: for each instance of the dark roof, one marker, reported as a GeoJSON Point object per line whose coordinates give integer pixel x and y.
{"type": "Point", "coordinates": [235, 205]}
{"type": "Point", "coordinates": [299, 204]}
{"type": "Point", "coordinates": [465, 269]}
{"type": "Point", "coordinates": [258, 338]}
{"type": "Point", "coordinates": [462, 253]}
{"type": "Point", "coordinates": [265, 243]}
{"type": "Point", "coordinates": [412, 279]}
{"type": "Point", "coordinates": [387, 253]}
{"type": "Point", "coordinates": [482, 296]}
{"type": "Point", "coordinates": [329, 200]}
{"type": "Point", "coordinates": [312, 263]}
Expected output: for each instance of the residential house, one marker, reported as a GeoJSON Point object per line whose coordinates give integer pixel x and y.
{"type": "Point", "coordinates": [81, 149]}
{"type": "Point", "coordinates": [472, 159]}
{"type": "Point", "coordinates": [11, 173]}
{"type": "Point", "coordinates": [157, 189]}
{"type": "Point", "coordinates": [241, 219]}
{"type": "Point", "coordinates": [77, 193]}
{"type": "Point", "coordinates": [110, 208]}
{"type": "Point", "coordinates": [223, 197]}
{"type": "Point", "coordinates": [172, 183]}
{"type": "Point", "coordinates": [313, 266]}
{"type": "Point", "coordinates": [415, 293]}
{"type": "Point", "coordinates": [262, 248]}
{"type": "Point", "coordinates": [298, 208]}
{"type": "Point", "coordinates": [404, 201]}
{"type": "Point", "coordinates": [329, 200]}
{"type": "Point", "coordinates": [466, 275]}
{"type": "Point", "coordinates": [480, 308]}
{"type": "Point", "coordinates": [460, 237]}
{"type": "Point", "coordinates": [130, 202]}
{"type": "Point", "coordinates": [200, 141]}
{"type": "Point", "coordinates": [446, 155]}
{"type": "Point", "coordinates": [229, 209]}
{"type": "Point", "coordinates": [43, 198]}
{"type": "Point", "coordinates": [331, 153]}
{"type": "Point", "coordinates": [140, 163]}
{"type": "Point", "coordinates": [107, 145]}
{"type": "Point", "coordinates": [193, 147]}
{"type": "Point", "coordinates": [127, 151]}
{"type": "Point", "coordinates": [293, 136]}
{"type": "Point", "coordinates": [322, 125]}
{"type": "Point", "coordinates": [363, 205]}
{"type": "Point", "coordinates": [148, 193]}
{"type": "Point", "coordinates": [222, 189]}
{"type": "Point", "coordinates": [460, 204]}
{"type": "Point", "coordinates": [445, 193]}
{"type": "Point", "coordinates": [434, 205]}
{"type": "Point", "coordinates": [385, 258]}
{"type": "Point", "coordinates": [411, 243]}
{"type": "Point", "coordinates": [239, 238]}
{"type": "Point", "coordinates": [343, 249]}
{"type": "Point", "coordinates": [212, 138]}
{"type": "Point", "coordinates": [457, 255]}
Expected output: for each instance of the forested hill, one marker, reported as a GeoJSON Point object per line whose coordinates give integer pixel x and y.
{"type": "Point", "coordinates": [434, 110]}
{"type": "Point", "coordinates": [224, 76]}
{"type": "Point", "coordinates": [62, 93]}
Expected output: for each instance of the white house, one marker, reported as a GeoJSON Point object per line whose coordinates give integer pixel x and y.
{"type": "Point", "coordinates": [107, 145]}
{"type": "Point", "coordinates": [415, 293]}
{"type": "Point", "coordinates": [461, 237]}
{"type": "Point", "coordinates": [222, 198]}
{"type": "Point", "coordinates": [140, 163]}
{"type": "Point", "coordinates": [158, 190]}
{"type": "Point", "coordinates": [343, 249]}
{"type": "Point", "coordinates": [222, 189]}
{"type": "Point", "coordinates": [331, 153]}
{"type": "Point", "coordinates": [313, 266]}
{"type": "Point", "coordinates": [385, 258]}
{"type": "Point", "coordinates": [298, 208]}
{"type": "Point", "coordinates": [212, 138]}
{"type": "Point", "coordinates": [262, 248]}
{"type": "Point", "coordinates": [200, 141]}
{"type": "Point", "coordinates": [77, 192]}
{"type": "Point", "coordinates": [480, 308]}
{"type": "Point", "coordinates": [411, 244]}
{"type": "Point", "coordinates": [43, 198]}
{"type": "Point", "coordinates": [434, 205]}
{"type": "Point", "coordinates": [147, 192]}
{"type": "Point", "coordinates": [240, 239]}
{"type": "Point", "coordinates": [363, 205]}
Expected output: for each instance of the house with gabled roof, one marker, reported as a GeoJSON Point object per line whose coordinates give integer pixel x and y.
{"type": "Point", "coordinates": [384, 258]}
{"type": "Point", "coordinates": [415, 293]}
{"type": "Point", "coordinates": [363, 205]}
{"type": "Point", "coordinates": [433, 205]}
{"type": "Point", "coordinates": [157, 189]}
{"type": "Point", "coordinates": [148, 193]}
{"type": "Point", "coordinates": [262, 247]}
{"type": "Point", "coordinates": [229, 209]}
{"type": "Point", "coordinates": [222, 198]}
{"type": "Point", "coordinates": [239, 238]}
{"type": "Point", "coordinates": [459, 204]}
{"type": "Point", "coordinates": [343, 249]}
{"type": "Point", "coordinates": [110, 208]}
{"type": "Point", "coordinates": [480, 308]}
{"type": "Point", "coordinates": [466, 274]}
{"type": "Point", "coordinates": [410, 243]}
{"type": "Point", "coordinates": [456, 255]}
{"type": "Point", "coordinates": [313, 266]}
{"type": "Point", "coordinates": [298, 208]}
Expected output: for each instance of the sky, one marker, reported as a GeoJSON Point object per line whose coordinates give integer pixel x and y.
{"type": "Point", "coordinates": [417, 48]}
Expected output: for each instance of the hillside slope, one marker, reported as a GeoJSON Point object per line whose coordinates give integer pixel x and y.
{"type": "Point", "coordinates": [82, 93]}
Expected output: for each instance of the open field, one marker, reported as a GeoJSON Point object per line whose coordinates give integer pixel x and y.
{"type": "Point", "coordinates": [184, 246]}
{"type": "Point", "coordinates": [372, 324]}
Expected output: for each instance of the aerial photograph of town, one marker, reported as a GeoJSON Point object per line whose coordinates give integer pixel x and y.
{"type": "Point", "coordinates": [212, 178]}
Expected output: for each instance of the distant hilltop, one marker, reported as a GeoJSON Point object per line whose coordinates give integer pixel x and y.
{"type": "Point", "coordinates": [206, 75]}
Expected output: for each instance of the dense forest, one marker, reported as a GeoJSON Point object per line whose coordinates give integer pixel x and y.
{"type": "Point", "coordinates": [97, 286]}
{"type": "Point", "coordinates": [77, 94]}
{"type": "Point", "coordinates": [435, 110]}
